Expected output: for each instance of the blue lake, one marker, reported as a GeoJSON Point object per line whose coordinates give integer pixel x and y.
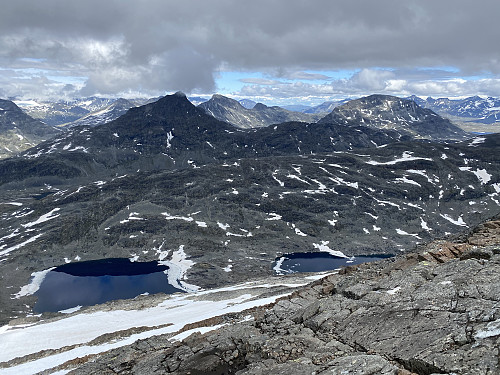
{"type": "Point", "coordinates": [318, 262]}
{"type": "Point", "coordinates": [93, 282]}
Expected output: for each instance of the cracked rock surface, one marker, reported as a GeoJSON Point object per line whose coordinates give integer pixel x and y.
{"type": "Point", "coordinates": [432, 312]}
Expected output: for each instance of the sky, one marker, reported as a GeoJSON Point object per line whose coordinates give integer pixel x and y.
{"type": "Point", "coordinates": [272, 51]}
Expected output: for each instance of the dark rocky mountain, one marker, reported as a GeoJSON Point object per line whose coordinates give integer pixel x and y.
{"type": "Point", "coordinates": [19, 131]}
{"type": "Point", "coordinates": [231, 111]}
{"type": "Point", "coordinates": [402, 115]}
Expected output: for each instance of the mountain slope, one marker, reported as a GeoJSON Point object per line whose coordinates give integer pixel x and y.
{"type": "Point", "coordinates": [260, 115]}
{"type": "Point", "coordinates": [109, 113]}
{"type": "Point", "coordinates": [389, 112]}
{"type": "Point", "coordinates": [19, 131]}
{"type": "Point", "coordinates": [62, 112]}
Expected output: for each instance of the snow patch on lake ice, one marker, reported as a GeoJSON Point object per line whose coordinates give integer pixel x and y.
{"type": "Point", "coordinates": [178, 266]}
{"type": "Point", "coordinates": [277, 267]}
{"type": "Point", "coordinates": [323, 246]}
{"type": "Point", "coordinates": [34, 284]}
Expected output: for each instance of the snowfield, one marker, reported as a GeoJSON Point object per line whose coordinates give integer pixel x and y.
{"type": "Point", "coordinates": [71, 335]}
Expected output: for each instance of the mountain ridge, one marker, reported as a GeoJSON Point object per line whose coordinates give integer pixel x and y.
{"type": "Point", "coordinates": [389, 112]}
{"type": "Point", "coordinates": [260, 115]}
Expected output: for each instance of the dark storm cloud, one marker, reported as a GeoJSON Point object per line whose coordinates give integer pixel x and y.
{"type": "Point", "coordinates": [158, 45]}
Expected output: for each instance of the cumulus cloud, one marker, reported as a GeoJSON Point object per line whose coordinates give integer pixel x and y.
{"type": "Point", "coordinates": [368, 81]}
{"type": "Point", "coordinates": [155, 46]}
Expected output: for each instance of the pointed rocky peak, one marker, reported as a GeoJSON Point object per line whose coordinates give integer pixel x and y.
{"type": "Point", "coordinates": [160, 117]}
{"type": "Point", "coordinates": [223, 101]}
{"type": "Point", "coordinates": [416, 99]}
{"type": "Point", "coordinates": [178, 98]}
{"type": "Point", "coordinates": [175, 105]}
{"type": "Point", "coordinates": [233, 112]}
{"type": "Point", "coordinates": [260, 107]}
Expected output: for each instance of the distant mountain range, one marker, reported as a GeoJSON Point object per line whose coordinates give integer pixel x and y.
{"type": "Point", "coordinates": [477, 109]}
{"type": "Point", "coordinates": [246, 114]}
{"type": "Point", "coordinates": [63, 112]}
{"type": "Point", "coordinates": [87, 111]}
{"type": "Point", "coordinates": [473, 109]}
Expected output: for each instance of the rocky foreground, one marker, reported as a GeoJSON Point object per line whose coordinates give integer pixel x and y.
{"type": "Point", "coordinates": [436, 311]}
